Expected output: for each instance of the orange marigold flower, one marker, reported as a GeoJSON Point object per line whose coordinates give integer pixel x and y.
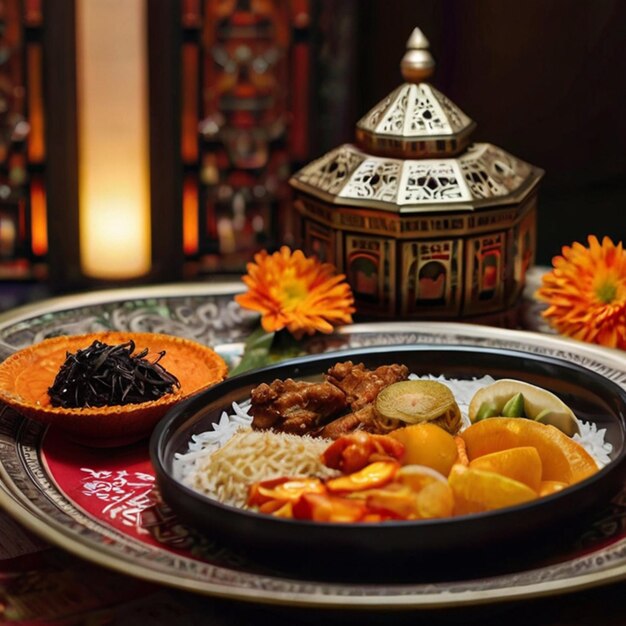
{"type": "Point", "coordinates": [292, 291]}
{"type": "Point", "coordinates": [586, 292]}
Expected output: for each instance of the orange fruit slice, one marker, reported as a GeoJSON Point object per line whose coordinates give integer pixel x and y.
{"type": "Point", "coordinates": [522, 464]}
{"type": "Point", "coordinates": [548, 487]}
{"type": "Point", "coordinates": [562, 458]}
{"type": "Point", "coordinates": [478, 490]}
{"type": "Point", "coordinates": [427, 444]}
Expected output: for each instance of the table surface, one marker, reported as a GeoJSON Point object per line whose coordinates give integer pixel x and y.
{"type": "Point", "coordinates": [42, 584]}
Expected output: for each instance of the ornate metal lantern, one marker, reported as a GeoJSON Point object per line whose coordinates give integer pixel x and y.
{"type": "Point", "coordinates": [423, 223]}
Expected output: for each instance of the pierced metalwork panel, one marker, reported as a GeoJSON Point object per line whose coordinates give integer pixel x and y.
{"type": "Point", "coordinates": [394, 119]}
{"type": "Point", "coordinates": [426, 116]}
{"type": "Point", "coordinates": [415, 111]}
{"type": "Point", "coordinates": [372, 118]}
{"type": "Point", "coordinates": [456, 118]}
{"type": "Point", "coordinates": [432, 181]}
{"type": "Point", "coordinates": [332, 171]}
{"type": "Point", "coordinates": [492, 172]}
{"type": "Point", "coordinates": [354, 177]}
{"type": "Point", "coordinates": [374, 179]}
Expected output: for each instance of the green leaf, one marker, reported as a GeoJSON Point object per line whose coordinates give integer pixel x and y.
{"type": "Point", "coordinates": [259, 339]}
{"type": "Point", "coordinates": [262, 349]}
{"type": "Point", "coordinates": [255, 352]}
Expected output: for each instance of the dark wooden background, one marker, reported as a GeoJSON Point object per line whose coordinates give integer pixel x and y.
{"type": "Point", "coordinates": [544, 79]}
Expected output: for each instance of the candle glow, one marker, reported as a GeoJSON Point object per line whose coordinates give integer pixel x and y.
{"type": "Point", "coordinates": [113, 138]}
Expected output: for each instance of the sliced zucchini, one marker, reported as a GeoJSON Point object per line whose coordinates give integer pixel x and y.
{"type": "Point", "coordinates": [416, 401]}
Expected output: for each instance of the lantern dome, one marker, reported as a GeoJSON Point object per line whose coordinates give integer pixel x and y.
{"type": "Point", "coordinates": [413, 153]}
{"type": "Point", "coordinates": [415, 120]}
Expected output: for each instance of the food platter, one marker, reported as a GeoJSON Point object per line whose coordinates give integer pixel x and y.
{"type": "Point", "coordinates": [355, 549]}
{"type": "Point", "coordinates": [97, 504]}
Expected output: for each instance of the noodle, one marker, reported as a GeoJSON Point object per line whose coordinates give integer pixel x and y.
{"type": "Point", "coordinates": [251, 456]}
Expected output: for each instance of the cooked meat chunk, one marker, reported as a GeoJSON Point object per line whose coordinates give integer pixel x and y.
{"type": "Point", "coordinates": [361, 385]}
{"type": "Point", "coordinates": [295, 407]}
{"type": "Point", "coordinates": [362, 419]}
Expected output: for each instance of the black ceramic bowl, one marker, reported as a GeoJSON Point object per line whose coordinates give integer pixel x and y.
{"type": "Point", "coordinates": [403, 549]}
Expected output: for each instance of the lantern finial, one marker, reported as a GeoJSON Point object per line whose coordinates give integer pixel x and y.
{"type": "Point", "coordinates": [417, 63]}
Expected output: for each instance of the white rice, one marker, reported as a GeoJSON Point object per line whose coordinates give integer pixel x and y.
{"type": "Point", "coordinates": [187, 465]}
{"type": "Point", "coordinates": [593, 441]}
{"type": "Point", "coordinates": [204, 444]}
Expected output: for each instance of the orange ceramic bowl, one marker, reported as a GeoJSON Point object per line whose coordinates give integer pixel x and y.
{"type": "Point", "coordinates": [26, 376]}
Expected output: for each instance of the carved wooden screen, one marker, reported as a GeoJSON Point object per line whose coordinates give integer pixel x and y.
{"type": "Point", "coordinates": [242, 93]}
{"type": "Point", "coordinates": [245, 96]}
{"type": "Point", "coordinates": [23, 230]}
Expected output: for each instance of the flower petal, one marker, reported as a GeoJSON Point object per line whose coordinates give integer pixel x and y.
{"type": "Point", "coordinates": [586, 292]}
{"type": "Point", "coordinates": [292, 291]}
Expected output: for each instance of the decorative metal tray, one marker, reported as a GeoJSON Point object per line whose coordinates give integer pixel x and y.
{"type": "Point", "coordinates": [101, 505]}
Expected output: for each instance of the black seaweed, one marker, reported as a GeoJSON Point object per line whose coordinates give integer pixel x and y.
{"type": "Point", "coordinates": [104, 375]}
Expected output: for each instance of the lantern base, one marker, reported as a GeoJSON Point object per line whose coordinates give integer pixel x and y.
{"type": "Point", "coordinates": [511, 317]}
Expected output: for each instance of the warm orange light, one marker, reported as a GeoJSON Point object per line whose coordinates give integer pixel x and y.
{"type": "Point", "coordinates": [39, 222]}
{"type": "Point", "coordinates": [114, 191]}
{"type": "Point", "coordinates": [190, 216]}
